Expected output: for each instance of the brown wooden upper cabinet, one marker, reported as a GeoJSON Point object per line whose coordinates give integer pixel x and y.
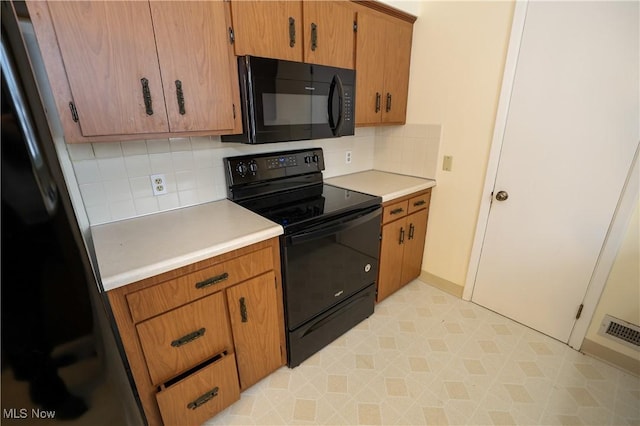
{"type": "Point", "coordinates": [139, 68]}
{"type": "Point", "coordinates": [383, 46]}
{"type": "Point", "coordinates": [316, 32]}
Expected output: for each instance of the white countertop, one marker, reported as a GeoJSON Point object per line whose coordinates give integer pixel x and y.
{"type": "Point", "coordinates": [138, 248]}
{"type": "Point", "coordinates": [384, 184]}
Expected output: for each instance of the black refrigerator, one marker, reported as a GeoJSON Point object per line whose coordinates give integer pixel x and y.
{"type": "Point", "coordinates": [46, 278]}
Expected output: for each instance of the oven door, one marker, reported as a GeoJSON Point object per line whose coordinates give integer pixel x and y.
{"type": "Point", "coordinates": [327, 263]}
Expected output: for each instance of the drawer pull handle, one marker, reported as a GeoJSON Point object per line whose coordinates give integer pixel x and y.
{"type": "Point", "coordinates": [211, 281]}
{"type": "Point", "coordinates": [203, 399]}
{"type": "Point", "coordinates": [243, 310]}
{"type": "Point", "coordinates": [398, 210]}
{"type": "Point", "coordinates": [419, 203]}
{"type": "Point", "coordinates": [188, 338]}
{"type": "Point", "coordinates": [412, 230]}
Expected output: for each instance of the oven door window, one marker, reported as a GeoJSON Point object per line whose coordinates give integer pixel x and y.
{"type": "Point", "coordinates": [329, 263]}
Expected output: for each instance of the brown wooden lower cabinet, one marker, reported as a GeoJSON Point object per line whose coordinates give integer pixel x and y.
{"type": "Point", "coordinates": [404, 231]}
{"type": "Point", "coordinates": [223, 331]}
{"type": "Point", "coordinates": [255, 324]}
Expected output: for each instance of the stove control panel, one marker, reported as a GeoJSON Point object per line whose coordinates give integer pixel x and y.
{"type": "Point", "coordinates": [282, 161]}
{"type": "Point", "coordinates": [253, 168]}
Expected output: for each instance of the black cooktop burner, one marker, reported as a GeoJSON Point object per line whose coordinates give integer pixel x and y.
{"type": "Point", "coordinates": [332, 201]}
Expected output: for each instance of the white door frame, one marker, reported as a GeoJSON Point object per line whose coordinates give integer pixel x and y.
{"type": "Point", "coordinates": [620, 221]}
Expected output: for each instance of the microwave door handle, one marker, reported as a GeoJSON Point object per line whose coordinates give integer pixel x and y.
{"type": "Point", "coordinates": [336, 84]}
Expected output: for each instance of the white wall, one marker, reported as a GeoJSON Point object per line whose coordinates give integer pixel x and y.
{"type": "Point", "coordinates": [458, 54]}
{"type": "Point", "coordinates": [621, 296]}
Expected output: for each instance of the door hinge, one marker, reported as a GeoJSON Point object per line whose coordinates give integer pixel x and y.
{"type": "Point", "coordinates": [74, 111]}
{"type": "Point", "coordinates": [355, 26]}
{"type": "Point", "coordinates": [232, 36]}
{"type": "Point", "coordinates": [579, 311]}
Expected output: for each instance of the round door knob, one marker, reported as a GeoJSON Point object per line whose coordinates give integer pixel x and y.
{"type": "Point", "coordinates": [502, 195]}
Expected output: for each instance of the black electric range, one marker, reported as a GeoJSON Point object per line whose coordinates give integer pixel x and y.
{"type": "Point", "coordinates": [329, 249]}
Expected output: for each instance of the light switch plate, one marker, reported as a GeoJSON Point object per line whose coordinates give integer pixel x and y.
{"type": "Point", "coordinates": [447, 163]}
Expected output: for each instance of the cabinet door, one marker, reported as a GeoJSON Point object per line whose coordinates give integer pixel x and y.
{"type": "Point", "coordinates": [370, 49]}
{"type": "Point", "coordinates": [396, 71]}
{"type": "Point", "coordinates": [253, 309]}
{"type": "Point", "coordinates": [414, 246]}
{"type": "Point", "coordinates": [195, 57]}
{"type": "Point", "coordinates": [394, 235]}
{"type": "Point", "coordinates": [108, 48]}
{"type": "Point", "coordinates": [270, 29]}
{"type": "Point", "coordinates": [330, 25]}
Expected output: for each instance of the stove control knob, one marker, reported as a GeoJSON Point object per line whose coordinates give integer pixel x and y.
{"type": "Point", "coordinates": [315, 158]}
{"type": "Point", "coordinates": [307, 159]}
{"type": "Point", "coordinates": [253, 166]}
{"type": "Point", "coordinates": [241, 168]}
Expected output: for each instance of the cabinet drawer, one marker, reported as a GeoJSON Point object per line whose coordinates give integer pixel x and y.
{"type": "Point", "coordinates": [180, 339]}
{"type": "Point", "coordinates": [155, 300]}
{"type": "Point", "coordinates": [419, 202]}
{"type": "Point", "coordinates": [394, 211]}
{"type": "Point", "coordinates": [202, 395]}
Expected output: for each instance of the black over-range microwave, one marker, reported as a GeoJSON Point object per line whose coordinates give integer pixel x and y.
{"type": "Point", "coordinates": [288, 101]}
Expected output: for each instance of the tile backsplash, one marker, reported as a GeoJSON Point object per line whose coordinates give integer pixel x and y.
{"type": "Point", "coordinates": [114, 178]}
{"type": "Point", "coordinates": [412, 149]}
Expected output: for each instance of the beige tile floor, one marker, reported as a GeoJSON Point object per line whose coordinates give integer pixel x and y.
{"type": "Point", "coordinates": [426, 357]}
{"type": "Point", "coordinates": [423, 358]}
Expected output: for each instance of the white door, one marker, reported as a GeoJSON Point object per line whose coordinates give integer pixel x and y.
{"type": "Point", "coordinates": [571, 132]}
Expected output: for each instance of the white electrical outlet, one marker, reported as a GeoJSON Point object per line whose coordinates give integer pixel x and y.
{"type": "Point", "coordinates": [347, 157]}
{"type": "Point", "coordinates": [158, 184]}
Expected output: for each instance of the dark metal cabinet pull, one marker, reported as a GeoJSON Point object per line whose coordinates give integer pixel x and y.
{"type": "Point", "coordinates": [388, 102]}
{"type": "Point", "coordinates": [419, 203]}
{"type": "Point", "coordinates": [203, 399]}
{"type": "Point", "coordinates": [243, 310]}
{"type": "Point", "coordinates": [412, 229]}
{"type": "Point", "coordinates": [180, 97]}
{"type": "Point", "coordinates": [397, 211]}
{"type": "Point", "coordinates": [211, 281]}
{"type": "Point", "coordinates": [378, 96]}
{"type": "Point", "coordinates": [188, 338]}
{"type": "Point", "coordinates": [401, 236]}
{"type": "Point", "coordinates": [146, 94]}
{"type": "Point", "coordinates": [292, 32]}
{"type": "Point", "coordinates": [314, 36]}
{"type": "Point", "coordinates": [74, 112]}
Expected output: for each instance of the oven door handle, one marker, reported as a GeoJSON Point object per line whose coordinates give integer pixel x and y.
{"type": "Point", "coordinates": [325, 231]}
